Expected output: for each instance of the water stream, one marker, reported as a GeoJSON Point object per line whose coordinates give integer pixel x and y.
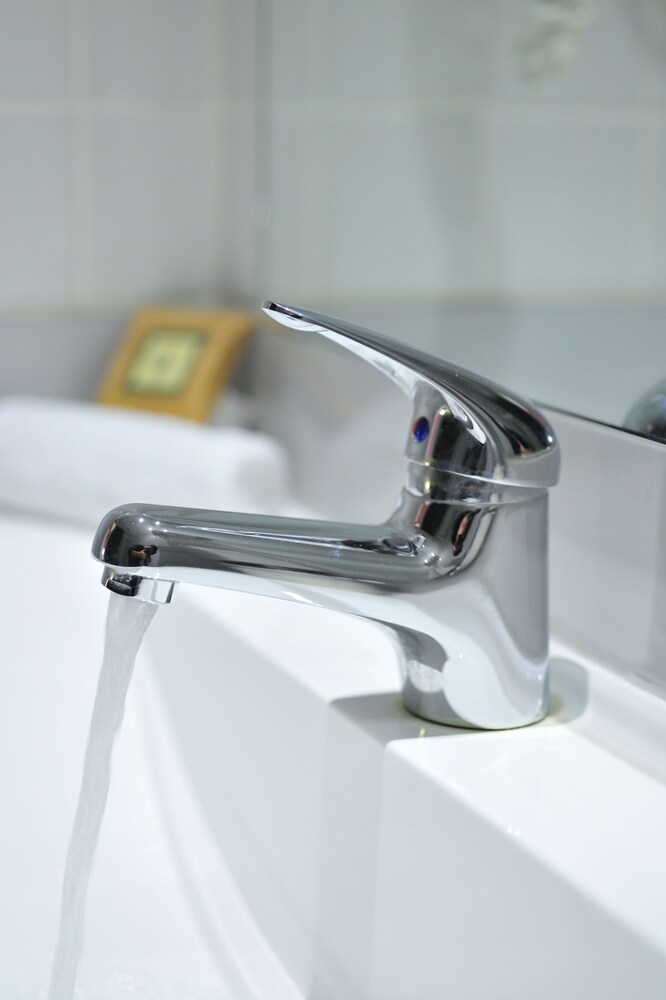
{"type": "Point", "coordinates": [126, 624]}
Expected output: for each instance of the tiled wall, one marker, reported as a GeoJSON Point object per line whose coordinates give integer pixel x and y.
{"type": "Point", "coordinates": [110, 129]}
{"type": "Point", "coordinates": [421, 183]}
{"type": "Point", "coordinates": [410, 157]}
{"type": "Point", "coordinates": [112, 175]}
{"type": "Point", "coordinates": [359, 155]}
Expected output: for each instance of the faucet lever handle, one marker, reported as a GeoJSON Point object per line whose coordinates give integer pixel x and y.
{"type": "Point", "coordinates": [462, 424]}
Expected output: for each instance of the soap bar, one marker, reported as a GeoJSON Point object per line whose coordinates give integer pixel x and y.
{"type": "Point", "coordinates": [175, 360]}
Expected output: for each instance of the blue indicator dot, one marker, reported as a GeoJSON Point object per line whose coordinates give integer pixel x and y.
{"type": "Point", "coordinates": [421, 429]}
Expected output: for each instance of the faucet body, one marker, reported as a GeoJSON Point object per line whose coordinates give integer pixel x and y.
{"type": "Point", "coordinates": [457, 572]}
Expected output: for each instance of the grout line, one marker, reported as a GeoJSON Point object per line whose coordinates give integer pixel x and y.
{"type": "Point", "coordinates": [262, 152]}
{"type": "Point", "coordinates": [533, 113]}
{"type": "Point", "coordinates": [497, 299]}
{"type": "Point", "coordinates": [652, 113]}
{"type": "Point", "coordinates": [57, 312]}
{"type": "Point", "coordinates": [493, 300]}
{"type": "Point", "coordinates": [648, 175]}
{"type": "Point", "coordinates": [219, 139]}
{"type": "Point", "coordinates": [489, 234]}
{"type": "Point", "coordinates": [110, 107]}
{"type": "Point", "coordinates": [82, 168]}
{"type": "Point", "coordinates": [42, 108]}
{"type": "Point", "coordinates": [317, 173]}
{"type": "Point", "coordinates": [643, 195]}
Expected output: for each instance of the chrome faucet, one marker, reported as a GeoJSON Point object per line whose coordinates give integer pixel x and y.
{"type": "Point", "coordinates": [457, 573]}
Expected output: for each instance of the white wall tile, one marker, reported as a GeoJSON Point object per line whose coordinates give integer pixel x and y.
{"type": "Point", "coordinates": [399, 206]}
{"type": "Point", "coordinates": [34, 48]}
{"type": "Point", "coordinates": [291, 247]}
{"type": "Point", "coordinates": [397, 50]}
{"type": "Point", "coordinates": [609, 60]}
{"type": "Point", "coordinates": [36, 211]}
{"type": "Point", "coordinates": [155, 227]}
{"type": "Point", "coordinates": [245, 27]}
{"type": "Point", "coordinates": [244, 256]}
{"type": "Point", "coordinates": [154, 49]}
{"type": "Point", "coordinates": [648, 20]}
{"type": "Point", "coordinates": [654, 204]}
{"type": "Point", "coordinates": [297, 52]}
{"type": "Point", "coordinates": [560, 206]}
{"type": "Point", "coordinates": [61, 358]}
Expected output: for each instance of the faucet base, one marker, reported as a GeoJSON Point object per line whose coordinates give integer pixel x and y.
{"type": "Point", "coordinates": [433, 707]}
{"type": "Point", "coordinates": [452, 676]}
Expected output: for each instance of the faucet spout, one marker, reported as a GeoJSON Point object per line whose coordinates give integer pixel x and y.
{"type": "Point", "coordinates": [457, 572]}
{"type": "Point", "coordinates": [187, 545]}
{"type": "Point", "coordinates": [465, 658]}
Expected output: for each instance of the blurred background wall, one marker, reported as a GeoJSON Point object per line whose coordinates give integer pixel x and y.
{"type": "Point", "coordinates": [485, 177]}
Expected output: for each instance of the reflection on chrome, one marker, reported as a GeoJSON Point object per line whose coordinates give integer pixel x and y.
{"type": "Point", "coordinates": [457, 572]}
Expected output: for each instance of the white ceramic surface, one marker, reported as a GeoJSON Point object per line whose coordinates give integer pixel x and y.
{"type": "Point", "coordinates": [279, 827]}
{"type": "Point", "coordinates": [141, 940]}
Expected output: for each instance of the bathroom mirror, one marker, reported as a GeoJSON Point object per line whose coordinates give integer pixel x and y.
{"type": "Point", "coordinates": [484, 179]}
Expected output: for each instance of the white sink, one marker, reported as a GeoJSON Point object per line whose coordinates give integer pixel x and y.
{"type": "Point", "coordinates": [141, 938]}
{"type": "Point", "coordinates": [279, 827]}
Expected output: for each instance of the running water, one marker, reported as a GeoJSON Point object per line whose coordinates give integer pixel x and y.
{"type": "Point", "coordinates": [126, 624]}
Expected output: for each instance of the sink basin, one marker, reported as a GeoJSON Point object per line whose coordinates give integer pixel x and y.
{"type": "Point", "coordinates": [385, 857]}
{"type": "Point", "coordinates": [279, 827]}
{"type": "Point", "coordinates": [141, 938]}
